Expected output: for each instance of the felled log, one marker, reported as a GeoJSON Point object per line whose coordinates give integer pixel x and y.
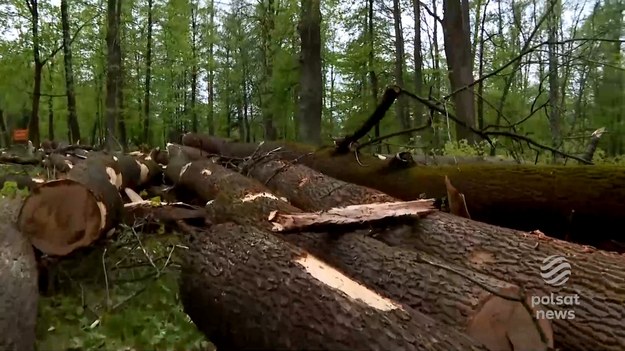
{"type": "Point", "coordinates": [62, 215]}
{"type": "Point", "coordinates": [578, 202]}
{"type": "Point", "coordinates": [203, 142]}
{"type": "Point", "coordinates": [246, 289]}
{"type": "Point", "coordinates": [18, 284]}
{"type": "Point", "coordinates": [509, 255]}
{"type": "Point", "coordinates": [429, 160]}
{"type": "Point", "coordinates": [402, 275]}
{"type": "Point", "coordinates": [19, 159]}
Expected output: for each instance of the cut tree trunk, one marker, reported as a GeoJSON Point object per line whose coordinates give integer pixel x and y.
{"type": "Point", "coordinates": [415, 281]}
{"type": "Point", "coordinates": [18, 284]}
{"type": "Point", "coordinates": [60, 216]}
{"type": "Point", "coordinates": [580, 203]}
{"type": "Point", "coordinates": [597, 277]}
{"type": "Point", "coordinates": [247, 289]}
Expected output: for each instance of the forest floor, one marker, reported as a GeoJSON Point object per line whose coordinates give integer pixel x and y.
{"type": "Point", "coordinates": [133, 306]}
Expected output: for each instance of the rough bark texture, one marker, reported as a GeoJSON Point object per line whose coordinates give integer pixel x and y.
{"type": "Point", "coordinates": [310, 83]}
{"type": "Point", "coordinates": [513, 256]}
{"type": "Point", "coordinates": [247, 289]}
{"type": "Point", "coordinates": [415, 281]}
{"type": "Point", "coordinates": [62, 215]}
{"type": "Point", "coordinates": [457, 33]}
{"type": "Point", "coordinates": [523, 197]}
{"type": "Point", "coordinates": [18, 284]}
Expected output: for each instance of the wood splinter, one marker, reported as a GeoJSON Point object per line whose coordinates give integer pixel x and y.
{"type": "Point", "coordinates": [350, 214]}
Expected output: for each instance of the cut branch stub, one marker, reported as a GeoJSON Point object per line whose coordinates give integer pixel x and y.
{"type": "Point", "coordinates": [62, 215]}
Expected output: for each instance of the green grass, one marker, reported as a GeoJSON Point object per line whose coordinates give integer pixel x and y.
{"type": "Point", "coordinates": [140, 310]}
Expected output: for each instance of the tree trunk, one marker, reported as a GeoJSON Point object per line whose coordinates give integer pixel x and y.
{"type": "Point", "coordinates": [505, 254]}
{"type": "Point", "coordinates": [211, 72]}
{"type": "Point", "coordinates": [310, 87]}
{"type": "Point", "coordinates": [456, 29]}
{"type": "Point", "coordinates": [33, 123]}
{"type": "Point", "coordinates": [120, 81]}
{"type": "Point", "coordinates": [6, 138]}
{"type": "Point", "coordinates": [194, 70]}
{"type": "Point", "coordinates": [244, 304]}
{"type": "Point", "coordinates": [554, 107]}
{"type": "Point", "coordinates": [418, 61]}
{"type": "Point", "coordinates": [148, 78]}
{"type": "Point", "coordinates": [363, 258]}
{"type": "Point", "coordinates": [112, 74]}
{"type": "Point", "coordinates": [18, 277]}
{"type": "Point", "coordinates": [401, 112]}
{"type": "Point", "coordinates": [72, 118]}
{"type": "Point", "coordinates": [580, 202]}
{"type": "Point", "coordinates": [373, 78]}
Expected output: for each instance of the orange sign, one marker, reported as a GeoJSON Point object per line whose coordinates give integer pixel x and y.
{"type": "Point", "coordinates": [20, 135]}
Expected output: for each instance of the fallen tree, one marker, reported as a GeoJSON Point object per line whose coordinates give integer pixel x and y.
{"type": "Point", "coordinates": [506, 254]}
{"type": "Point", "coordinates": [414, 281]}
{"type": "Point", "coordinates": [246, 289]}
{"type": "Point", "coordinates": [563, 201]}
{"type": "Point", "coordinates": [18, 283]}
{"type": "Point", "coordinates": [60, 216]}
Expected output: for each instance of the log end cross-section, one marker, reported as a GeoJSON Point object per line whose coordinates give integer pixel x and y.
{"type": "Point", "coordinates": [62, 215]}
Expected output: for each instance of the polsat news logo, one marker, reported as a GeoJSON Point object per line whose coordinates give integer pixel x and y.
{"type": "Point", "coordinates": [555, 271]}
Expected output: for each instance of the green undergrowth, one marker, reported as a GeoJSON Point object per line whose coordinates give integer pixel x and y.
{"type": "Point", "coordinates": [134, 306]}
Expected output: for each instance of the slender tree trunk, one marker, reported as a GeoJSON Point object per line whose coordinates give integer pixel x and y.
{"type": "Point", "coordinates": [457, 33]}
{"type": "Point", "coordinates": [33, 123]}
{"type": "Point", "coordinates": [72, 118]}
{"type": "Point", "coordinates": [268, 27]}
{"type": "Point", "coordinates": [112, 73]}
{"type": "Point", "coordinates": [373, 78]}
{"type": "Point", "coordinates": [554, 108]}
{"type": "Point", "coordinates": [148, 78]}
{"type": "Point", "coordinates": [211, 71]}
{"type": "Point", "coordinates": [400, 105]}
{"type": "Point", "coordinates": [194, 120]}
{"type": "Point", "coordinates": [310, 87]}
{"type": "Point", "coordinates": [123, 137]}
{"type": "Point", "coordinates": [4, 130]}
{"type": "Point", "coordinates": [480, 85]}
{"type": "Point", "coordinates": [418, 61]}
{"type": "Point", "coordinates": [51, 106]}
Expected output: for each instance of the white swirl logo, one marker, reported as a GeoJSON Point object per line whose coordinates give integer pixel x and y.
{"type": "Point", "coordinates": [555, 270]}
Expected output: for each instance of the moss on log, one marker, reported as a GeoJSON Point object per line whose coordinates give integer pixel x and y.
{"type": "Point", "coordinates": [18, 284]}
{"type": "Point", "coordinates": [578, 202]}
{"type": "Point", "coordinates": [62, 215]}
{"type": "Point", "coordinates": [597, 277]}
{"type": "Point", "coordinates": [247, 289]}
{"type": "Point", "coordinates": [402, 275]}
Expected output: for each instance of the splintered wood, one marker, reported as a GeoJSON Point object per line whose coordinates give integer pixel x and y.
{"type": "Point", "coordinates": [350, 214]}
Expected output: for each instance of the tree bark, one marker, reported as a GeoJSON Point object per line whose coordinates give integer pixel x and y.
{"type": "Point", "coordinates": [247, 289]}
{"type": "Point", "coordinates": [72, 118]}
{"type": "Point", "coordinates": [457, 33]}
{"type": "Point", "coordinates": [401, 111]}
{"type": "Point", "coordinates": [230, 195]}
{"type": "Point", "coordinates": [112, 73]}
{"type": "Point", "coordinates": [18, 279]}
{"type": "Point", "coordinates": [577, 202]}
{"type": "Point", "coordinates": [148, 77]}
{"type": "Point", "coordinates": [310, 86]}
{"type": "Point", "coordinates": [505, 254]}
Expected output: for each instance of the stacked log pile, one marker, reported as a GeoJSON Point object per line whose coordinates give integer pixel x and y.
{"type": "Point", "coordinates": [293, 251]}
